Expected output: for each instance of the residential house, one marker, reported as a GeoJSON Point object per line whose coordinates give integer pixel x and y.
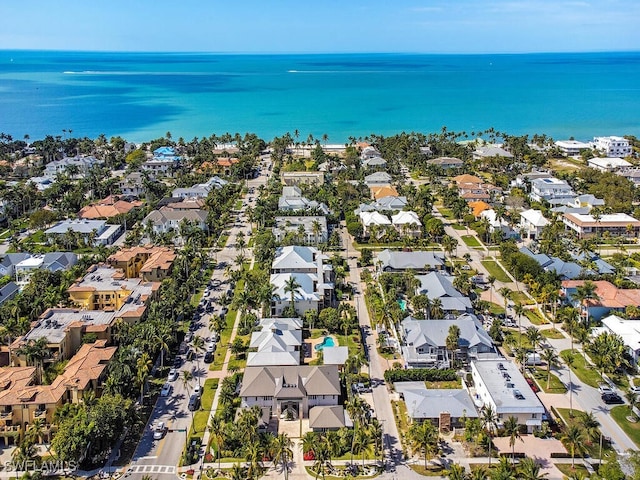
{"type": "Point", "coordinates": [425, 341]}
{"type": "Point", "coordinates": [418, 261]}
{"type": "Point", "coordinates": [306, 266]}
{"type": "Point", "coordinates": [497, 224]}
{"type": "Point", "coordinates": [276, 344]}
{"type": "Point", "coordinates": [609, 298]}
{"type": "Point", "coordinates": [552, 190]}
{"type": "Point", "coordinates": [93, 232]}
{"type": "Point", "coordinates": [314, 227]}
{"type": "Point", "coordinates": [81, 164]}
{"type": "Point", "coordinates": [291, 390]}
{"type": "Point", "coordinates": [369, 152]}
{"type": "Point", "coordinates": [149, 262]}
{"type": "Point", "coordinates": [8, 291]}
{"type": "Point", "coordinates": [613, 146]}
{"type": "Point", "coordinates": [572, 147]}
{"type": "Point", "coordinates": [444, 408]}
{"type": "Point", "coordinates": [292, 200]}
{"type": "Point", "coordinates": [616, 224]}
{"type": "Point", "coordinates": [378, 192]}
{"type": "Point", "coordinates": [133, 184]}
{"type": "Point", "coordinates": [9, 261]}
{"type": "Point", "coordinates": [167, 219]}
{"type": "Point", "coordinates": [488, 151]}
{"type": "Point", "coordinates": [336, 355]}
{"type": "Point", "coordinates": [446, 163]}
{"type": "Point", "coordinates": [327, 418]}
{"type": "Point", "coordinates": [199, 190]}
{"type": "Point", "coordinates": [377, 179]}
{"type": "Point", "coordinates": [437, 285]}
{"type": "Point", "coordinates": [531, 223]}
{"type": "Point", "coordinates": [608, 164]}
{"type": "Point", "coordinates": [631, 174]}
{"type": "Point", "coordinates": [373, 219]}
{"type": "Point", "coordinates": [407, 223]}
{"type": "Point", "coordinates": [374, 163]}
{"type": "Point", "coordinates": [478, 207]}
{"type": "Point", "coordinates": [499, 384]}
{"type": "Point", "coordinates": [628, 330]}
{"type": "Point", "coordinates": [586, 200]}
{"type": "Point", "coordinates": [384, 204]}
{"type": "Point", "coordinates": [106, 288]}
{"type": "Point", "coordinates": [298, 178]}
{"type": "Point", "coordinates": [165, 161]}
{"type": "Point", "coordinates": [23, 401]}
{"type": "Point", "coordinates": [107, 208]}
{"type": "Point", "coordinates": [52, 261]}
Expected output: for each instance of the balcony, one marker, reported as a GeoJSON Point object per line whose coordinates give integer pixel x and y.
{"type": "Point", "coordinates": [39, 414]}
{"type": "Point", "coordinates": [6, 415]}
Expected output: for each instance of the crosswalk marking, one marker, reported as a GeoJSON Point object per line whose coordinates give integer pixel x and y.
{"type": "Point", "coordinates": [170, 469]}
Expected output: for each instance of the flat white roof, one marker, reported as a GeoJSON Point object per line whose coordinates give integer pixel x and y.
{"type": "Point", "coordinates": [629, 330]}
{"type": "Point", "coordinates": [612, 162]}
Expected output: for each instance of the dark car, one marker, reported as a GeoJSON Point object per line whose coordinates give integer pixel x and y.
{"type": "Point", "coordinates": [208, 357]}
{"type": "Point", "coordinates": [194, 402]}
{"type": "Point", "coordinates": [191, 354]}
{"type": "Point", "coordinates": [177, 362]}
{"type": "Point", "coordinates": [612, 398]}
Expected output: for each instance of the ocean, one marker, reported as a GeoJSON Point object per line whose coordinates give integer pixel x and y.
{"type": "Point", "coordinates": [142, 96]}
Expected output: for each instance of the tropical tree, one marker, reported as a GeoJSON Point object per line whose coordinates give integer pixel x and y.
{"type": "Point", "coordinates": [505, 293]}
{"type": "Point", "coordinates": [143, 365]}
{"type": "Point", "coordinates": [35, 352]}
{"type": "Point", "coordinates": [512, 430]}
{"type": "Point", "coordinates": [456, 472]}
{"type": "Point", "coordinates": [582, 295]}
{"type": "Point", "coordinates": [291, 286]}
{"type": "Point", "coordinates": [489, 419]}
{"type": "Point", "coordinates": [529, 469]}
{"type": "Point", "coordinates": [282, 452]}
{"type": "Point", "coordinates": [453, 342]}
{"type": "Point", "coordinates": [217, 431]}
{"type": "Point", "coordinates": [534, 336]}
{"type": "Point", "coordinates": [424, 438]}
{"type": "Point", "coordinates": [573, 437]}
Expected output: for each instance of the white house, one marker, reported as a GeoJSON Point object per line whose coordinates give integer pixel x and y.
{"type": "Point", "coordinates": [314, 226]}
{"type": "Point", "coordinates": [551, 189]}
{"type": "Point", "coordinates": [199, 190]}
{"type": "Point", "coordinates": [497, 224]}
{"type": "Point", "coordinates": [168, 219]}
{"type": "Point", "coordinates": [407, 222]}
{"type": "Point", "coordinates": [369, 219]}
{"type": "Point", "coordinates": [82, 164]}
{"type": "Point", "coordinates": [572, 147]}
{"type": "Point", "coordinates": [102, 233]}
{"type": "Point", "coordinates": [628, 330]}
{"type": "Point", "coordinates": [377, 178]}
{"type": "Point", "coordinates": [499, 383]}
{"type": "Point", "coordinates": [608, 164]}
{"type": "Point", "coordinates": [487, 151]}
{"type": "Point", "coordinates": [612, 146]}
{"type": "Point", "coordinates": [616, 224]}
{"type": "Point", "coordinates": [532, 222]}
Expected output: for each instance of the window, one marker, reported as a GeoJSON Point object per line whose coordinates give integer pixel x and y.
{"type": "Point", "coordinates": [266, 398]}
{"type": "Point", "coordinates": [534, 415]}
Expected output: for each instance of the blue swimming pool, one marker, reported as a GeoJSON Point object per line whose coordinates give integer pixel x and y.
{"type": "Point", "coordinates": [327, 342]}
{"type": "Point", "coordinates": [403, 304]}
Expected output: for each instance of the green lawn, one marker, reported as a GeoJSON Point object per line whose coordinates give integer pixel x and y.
{"type": "Point", "coordinates": [201, 417]}
{"type": "Point", "coordinates": [225, 335]}
{"type": "Point", "coordinates": [566, 469]}
{"type": "Point", "coordinates": [430, 471]}
{"type": "Point", "coordinates": [238, 205]}
{"type": "Point", "coordinates": [451, 384]}
{"type": "Point", "coordinates": [552, 333]}
{"type": "Point", "coordinates": [446, 213]}
{"type": "Point", "coordinates": [555, 385]}
{"type": "Point", "coordinates": [495, 270]}
{"type": "Point", "coordinates": [534, 317]}
{"type": "Point", "coordinates": [457, 226]}
{"type": "Point", "coordinates": [495, 309]}
{"type": "Point", "coordinates": [37, 237]}
{"type": "Point", "coordinates": [593, 447]}
{"type": "Point", "coordinates": [6, 234]}
{"type": "Point", "coordinates": [471, 241]}
{"type": "Point", "coordinates": [620, 414]}
{"type": "Point", "coordinates": [522, 298]}
{"type": "Point", "coordinates": [222, 241]}
{"type": "Point", "coordinates": [585, 372]}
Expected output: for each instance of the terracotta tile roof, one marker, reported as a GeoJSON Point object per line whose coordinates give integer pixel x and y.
{"type": "Point", "coordinates": [471, 195]}
{"type": "Point", "coordinates": [386, 191]}
{"type": "Point", "coordinates": [466, 178]}
{"type": "Point", "coordinates": [610, 295]}
{"type": "Point", "coordinates": [107, 208]}
{"type": "Point", "coordinates": [227, 161]}
{"type": "Point", "coordinates": [156, 257]}
{"type": "Point", "coordinates": [479, 207]}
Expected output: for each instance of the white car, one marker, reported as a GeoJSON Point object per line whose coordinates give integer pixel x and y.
{"type": "Point", "coordinates": [211, 347]}
{"type": "Point", "coordinates": [603, 388]}
{"type": "Point", "coordinates": [166, 390]}
{"type": "Point", "coordinates": [635, 389]}
{"type": "Point", "coordinates": [173, 375]}
{"type": "Point", "coordinates": [159, 430]}
{"type": "Point", "coordinates": [198, 390]}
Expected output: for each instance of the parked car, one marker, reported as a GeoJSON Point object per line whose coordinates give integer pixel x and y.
{"type": "Point", "coordinates": [166, 390]}
{"type": "Point", "coordinates": [611, 398]}
{"type": "Point", "coordinates": [194, 402]}
{"type": "Point", "coordinates": [635, 389]}
{"type": "Point", "coordinates": [177, 362]}
{"type": "Point", "coordinates": [533, 385]}
{"type": "Point", "coordinates": [159, 430]}
{"type": "Point", "coordinates": [188, 337]}
{"type": "Point", "coordinates": [605, 389]}
{"type": "Point", "coordinates": [198, 390]}
{"type": "Point", "coordinates": [191, 354]}
{"type": "Point", "coordinates": [173, 375]}
{"type": "Point", "coordinates": [208, 357]}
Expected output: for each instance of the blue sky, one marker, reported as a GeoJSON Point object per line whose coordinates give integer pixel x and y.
{"type": "Point", "coordinates": [289, 26]}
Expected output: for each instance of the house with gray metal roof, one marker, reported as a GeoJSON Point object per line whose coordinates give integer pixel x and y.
{"type": "Point", "coordinates": [290, 389]}
{"type": "Point", "coordinates": [399, 261]}
{"type": "Point", "coordinates": [425, 341]}
{"type": "Point", "coordinates": [323, 419]}
{"type": "Point", "coordinates": [437, 285]}
{"type": "Point", "coordinates": [377, 179]}
{"type": "Point", "coordinates": [445, 408]}
{"type": "Point", "coordinates": [8, 291]}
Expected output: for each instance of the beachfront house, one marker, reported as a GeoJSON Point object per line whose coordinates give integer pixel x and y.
{"type": "Point", "coordinates": [572, 148]}
{"type": "Point", "coordinates": [608, 164]}
{"type": "Point", "coordinates": [613, 146]}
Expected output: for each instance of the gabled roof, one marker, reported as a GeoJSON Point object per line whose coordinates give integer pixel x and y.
{"type": "Point", "coordinates": [492, 151]}
{"type": "Point", "coordinates": [374, 218]}
{"type": "Point", "coordinates": [295, 257]}
{"type": "Point", "coordinates": [385, 191]}
{"type": "Point", "coordinates": [445, 161]}
{"type": "Point", "coordinates": [329, 417]}
{"type": "Point", "coordinates": [435, 332]}
{"type": "Point", "coordinates": [478, 207]}
{"type": "Point", "coordinates": [306, 290]}
{"type": "Point", "coordinates": [417, 260]}
{"type": "Point", "coordinates": [406, 217]}
{"type": "Point", "coordinates": [378, 177]}
{"type": "Point", "coordinates": [534, 217]}
{"type": "Point", "coordinates": [310, 380]}
{"type": "Point", "coordinates": [269, 358]}
{"type": "Point", "coordinates": [466, 178]}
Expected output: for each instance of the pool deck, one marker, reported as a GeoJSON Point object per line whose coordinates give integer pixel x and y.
{"type": "Point", "coordinates": [316, 341]}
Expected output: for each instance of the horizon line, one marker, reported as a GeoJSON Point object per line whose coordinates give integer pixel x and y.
{"type": "Point", "coordinates": [292, 53]}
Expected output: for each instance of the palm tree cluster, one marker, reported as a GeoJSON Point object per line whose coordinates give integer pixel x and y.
{"type": "Point", "coordinates": [608, 352]}
{"type": "Point", "coordinates": [527, 469]}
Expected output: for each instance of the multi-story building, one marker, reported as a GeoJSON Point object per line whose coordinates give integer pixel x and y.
{"type": "Point", "coordinates": [615, 224]}
{"type": "Point", "coordinates": [551, 189]}
{"type": "Point", "coordinates": [613, 146]}
{"type": "Point", "coordinates": [149, 262]}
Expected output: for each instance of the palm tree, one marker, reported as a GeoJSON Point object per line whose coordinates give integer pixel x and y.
{"type": "Point", "coordinates": [518, 308]}
{"type": "Point", "coordinates": [143, 365]}
{"type": "Point", "coordinates": [424, 437]}
{"type": "Point", "coordinates": [436, 309]}
{"type": "Point", "coordinates": [534, 336]}
{"type": "Point", "coordinates": [505, 292]}
{"type": "Point", "coordinates": [456, 472]}
{"type": "Point", "coordinates": [316, 228]}
{"type": "Point", "coordinates": [584, 293]}
{"type": "Point", "coordinates": [529, 469]}
{"type": "Point", "coordinates": [574, 438]}
{"type": "Point", "coordinates": [216, 430]}
{"type": "Point", "coordinates": [35, 352]}
{"type": "Point", "coordinates": [291, 286]}
{"type": "Point", "coordinates": [479, 473]}
{"type": "Point", "coordinates": [591, 427]}
{"type": "Point", "coordinates": [491, 280]}
{"type": "Point", "coordinates": [282, 452]}
{"type": "Point", "coordinates": [489, 420]}
{"type": "Point", "coordinates": [321, 459]}
{"type": "Point", "coordinates": [238, 472]}
{"type": "Point", "coordinates": [569, 359]}
{"type": "Point", "coordinates": [512, 430]}
{"type": "Point", "coordinates": [453, 342]}
{"type": "Point", "coordinates": [549, 356]}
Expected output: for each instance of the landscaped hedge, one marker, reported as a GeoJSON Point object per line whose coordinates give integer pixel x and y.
{"type": "Point", "coordinates": [419, 375]}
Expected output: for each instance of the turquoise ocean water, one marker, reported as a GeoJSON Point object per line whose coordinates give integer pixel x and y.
{"type": "Point", "coordinates": [143, 95]}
